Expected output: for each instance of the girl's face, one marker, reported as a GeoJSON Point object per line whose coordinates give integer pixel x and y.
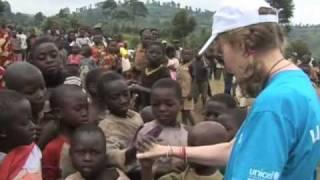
{"type": "Point", "coordinates": [46, 58]}
{"type": "Point", "coordinates": [155, 55]}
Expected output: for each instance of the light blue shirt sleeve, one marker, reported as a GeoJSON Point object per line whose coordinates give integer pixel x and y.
{"type": "Point", "coordinates": [261, 148]}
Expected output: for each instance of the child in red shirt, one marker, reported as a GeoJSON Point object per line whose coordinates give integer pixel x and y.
{"type": "Point", "coordinates": [70, 107]}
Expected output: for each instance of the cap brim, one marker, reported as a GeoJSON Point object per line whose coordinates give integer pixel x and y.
{"type": "Point", "coordinates": [207, 44]}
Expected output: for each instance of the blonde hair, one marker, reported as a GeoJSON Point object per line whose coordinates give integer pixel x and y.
{"type": "Point", "coordinates": [254, 39]}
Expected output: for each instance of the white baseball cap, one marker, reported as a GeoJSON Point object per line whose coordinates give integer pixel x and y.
{"type": "Point", "coordinates": [233, 14]}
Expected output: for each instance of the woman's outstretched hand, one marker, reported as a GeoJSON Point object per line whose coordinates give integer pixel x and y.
{"type": "Point", "coordinates": [148, 149]}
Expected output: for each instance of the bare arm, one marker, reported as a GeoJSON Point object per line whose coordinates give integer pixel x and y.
{"type": "Point", "coordinates": [215, 155]}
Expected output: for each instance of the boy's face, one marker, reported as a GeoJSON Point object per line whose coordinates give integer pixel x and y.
{"type": "Point", "coordinates": [47, 59]}
{"type": "Point", "coordinates": [213, 109]}
{"type": "Point", "coordinates": [229, 123]}
{"type": "Point", "coordinates": [74, 111]}
{"type": "Point", "coordinates": [34, 90]}
{"type": "Point", "coordinates": [117, 97]}
{"type": "Point", "coordinates": [146, 38]}
{"type": "Point", "coordinates": [187, 55]}
{"type": "Point", "coordinates": [20, 130]}
{"type": "Point", "coordinates": [194, 142]}
{"type": "Point", "coordinates": [154, 55]}
{"type": "Point", "coordinates": [88, 154]}
{"type": "Point", "coordinates": [210, 53]}
{"type": "Point", "coordinates": [165, 105]}
{"type": "Point", "coordinates": [97, 39]}
{"type": "Point", "coordinates": [156, 34]}
{"type": "Point", "coordinates": [72, 36]}
{"type": "Point", "coordinates": [82, 33]}
{"type": "Point", "coordinates": [113, 47]}
{"type": "Point", "coordinates": [32, 87]}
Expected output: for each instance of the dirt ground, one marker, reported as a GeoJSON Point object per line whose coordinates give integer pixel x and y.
{"type": "Point", "coordinates": [216, 87]}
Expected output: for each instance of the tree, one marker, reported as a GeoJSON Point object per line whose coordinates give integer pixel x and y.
{"type": "Point", "coordinates": [5, 8]}
{"type": "Point", "coordinates": [173, 4]}
{"type": "Point", "coordinates": [287, 7]}
{"type": "Point", "coordinates": [2, 7]}
{"type": "Point", "coordinates": [108, 7]}
{"type": "Point", "coordinates": [183, 25]}
{"type": "Point", "coordinates": [109, 4]}
{"type": "Point", "coordinates": [21, 19]}
{"type": "Point", "coordinates": [50, 23]}
{"type": "Point", "coordinates": [136, 8]}
{"type": "Point", "coordinates": [39, 18]}
{"type": "Point", "coordinates": [298, 47]}
{"type": "Point", "coordinates": [74, 22]}
{"type": "Point", "coordinates": [63, 13]}
{"type": "Point", "coordinates": [121, 13]}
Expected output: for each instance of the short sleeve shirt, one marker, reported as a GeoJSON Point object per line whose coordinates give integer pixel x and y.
{"type": "Point", "coordinates": [279, 140]}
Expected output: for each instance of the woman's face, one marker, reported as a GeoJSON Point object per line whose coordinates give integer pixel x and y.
{"type": "Point", "coordinates": [234, 57]}
{"type": "Point", "coordinates": [247, 69]}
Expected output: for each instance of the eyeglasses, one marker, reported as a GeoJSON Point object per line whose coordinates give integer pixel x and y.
{"type": "Point", "coordinates": [219, 59]}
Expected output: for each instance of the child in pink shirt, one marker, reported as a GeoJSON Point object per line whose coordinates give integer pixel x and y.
{"type": "Point", "coordinates": [75, 56]}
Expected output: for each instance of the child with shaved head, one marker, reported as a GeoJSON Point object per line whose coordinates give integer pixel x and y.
{"type": "Point", "coordinates": [27, 79]}
{"type": "Point", "coordinates": [203, 134]}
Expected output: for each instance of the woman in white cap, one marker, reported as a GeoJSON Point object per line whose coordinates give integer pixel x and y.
{"type": "Point", "coordinates": [280, 137]}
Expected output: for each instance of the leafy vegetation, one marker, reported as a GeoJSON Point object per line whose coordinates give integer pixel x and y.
{"type": "Point", "coordinates": [286, 7]}
{"type": "Point", "coordinates": [183, 25]}
{"type": "Point", "coordinates": [2, 6]}
{"type": "Point", "coordinates": [310, 35]}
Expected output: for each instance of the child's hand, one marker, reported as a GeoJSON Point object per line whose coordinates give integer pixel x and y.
{"type": "Point", "coordinates": [132, 148]}
{"type": "Point", "coordinates": [130, 82]}
{"type": "Point", "coordinates": [179, 167]}
{"type": "Point", "coordinates": [146, 163]}
{"type": "Point", "coordinates": [148, 148]}
{"type": "Point", "coordinates": [136, 87]}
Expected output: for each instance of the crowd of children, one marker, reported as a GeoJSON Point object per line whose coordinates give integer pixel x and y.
{"type": "Point", "coordinates": [77, 118]}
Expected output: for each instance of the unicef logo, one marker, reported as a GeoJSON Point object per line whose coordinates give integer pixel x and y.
{"type": "Point", "coordinates": [265, 175]}
{"type": "Point", "coordinates": [276, 176]}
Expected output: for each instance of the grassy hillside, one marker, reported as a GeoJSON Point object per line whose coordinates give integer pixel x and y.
{"type": "Point", "coordinates": [310, 35]}
{"type": "Point", "coordinates": [161, 16]}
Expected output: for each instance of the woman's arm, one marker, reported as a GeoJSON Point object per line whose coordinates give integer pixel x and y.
{"type": "Point", "coordinates": [215, 155]}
